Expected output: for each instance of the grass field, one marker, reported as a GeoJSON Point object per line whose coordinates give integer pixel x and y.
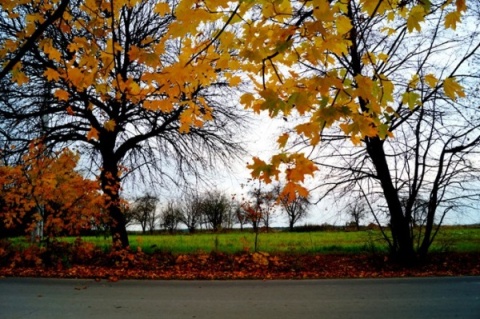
{"type": "Point", "coordinates": [459, 239]}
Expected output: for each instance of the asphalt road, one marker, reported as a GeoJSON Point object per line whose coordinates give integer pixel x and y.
{"type": "Point", "coordinates": [358, 298]}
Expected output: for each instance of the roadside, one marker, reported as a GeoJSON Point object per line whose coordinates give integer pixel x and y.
{"type": "Point", "coordinates": [137, 265]}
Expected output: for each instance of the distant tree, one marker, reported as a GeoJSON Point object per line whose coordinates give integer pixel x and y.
{"type": "Point", "coordinates": [261, 206]}
{"type": "Point", "coordinates": [191, 212]}
{"type": "Point", "coordinates": [144, 212]}
{"type": "Point", "coordinates": [215, 206]}
{"type": "Point", "coordinates": [296, 208]}
{"type": "Point", "coordinates": [357, 211]}
{"type": "Point", "coordinates": [240, 215]}
{"type": "Point", "coordinates": [170, 217]}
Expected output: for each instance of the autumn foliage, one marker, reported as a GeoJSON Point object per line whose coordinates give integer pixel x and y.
{"type": "Point", "coordinates": [45, 190]}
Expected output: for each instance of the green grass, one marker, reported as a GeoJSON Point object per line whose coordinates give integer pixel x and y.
{"type": "Point", "coordinates": [459, 239]}
{"type": "Point", "coordinates": [281, 242]}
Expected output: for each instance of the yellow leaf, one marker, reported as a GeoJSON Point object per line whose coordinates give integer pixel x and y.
{"type": "Point", "coordinates": [310, 130]}
{"type": "Point", "coordinates": [109, 125]}
{"type": "Point", "coordinates": [452, 88]}
{"type": "Point", "coordinates": [391, 16]}
{"type": "Point", "coordinates": [369, 58]}
{"type": "Point", "coordinates": [53, 54]}
{"type": "Point", "coordinates": [159, 105]}
{"type": "Point", "coordinates": [62, 95]}
{"type": "Point", "coordinates": [282, 140]}
{"type": "Point", "coordinates": [414, 81]}
{"type": "Point", "coordinates": [343, 25]}
{"type": "Point", "coordinates": [412, 99]}
{"type": "Point", "coordinates": [235, 81]}
{"type": "Point", "coordinates": [293, 190]}
{"type": "Point", "coordinates": [431, 80]}
{"type": "Point", "coordinates": [415, 17]}
{"type": "Point", "coordinates": [51, 74]}
{"type": "Point", "coordinates": [133, 88]}
{"type": "Point", "coordinates": [162, 8]}
{"type": "Point", "coordinates": [451, 20]}
{"type": "Point", "coordinates": [19, 77]}
{"type": "Point", "coordinates": [134, 53]}
{"type": "Point", "coordinates": [382, 57]}
{"type": "Point", "coordinates": [262, 170]}
{"type": "Point", "coordinates": [247, 99]}
{"type": "Point", "coordinates": [75, 76]}
{"type": "Point", "coordinates": [388, 30]}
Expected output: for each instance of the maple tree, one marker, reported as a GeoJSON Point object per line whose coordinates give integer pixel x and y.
{"type": "Point", "coordinates": [347, 65]}
{"type": "Point", "coordinates": [46, 193]}
{"type": "Point", "coordinates": [133, 82]}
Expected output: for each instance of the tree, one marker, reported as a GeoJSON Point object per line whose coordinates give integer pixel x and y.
{"type": "Point", "coordinates": [144, 212]}
{"type": "Point", "coordinates": [434, 130]}
{"type": "Point", "coordinates": [170, 217]}
{"type": "Point", "coordinates": [262, 206]}
{"type": "Point", "coordinates": [357, 211]}
{"type": "Point", "coordinates": [192, 212]}
{"type": "Point", "coordinates": [241, 215]}
{"type": "Point", "coordinates": [131, 82]}
{"type": "Point", "coordinates": [215, 206]}
{"type": "Point", "coordinates": [360, 67]}
{"type": "Point", "coordinates": [295, 209]}
{"type": "Point", "coordinates": [238, 215]}
{"type": "Point", "coordinates": [230, 216]}
{"type": "Point", "coordinates": [47, 194]}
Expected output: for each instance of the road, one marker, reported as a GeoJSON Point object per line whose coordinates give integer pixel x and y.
{"type": "Point", "coordinates": [345, 298]}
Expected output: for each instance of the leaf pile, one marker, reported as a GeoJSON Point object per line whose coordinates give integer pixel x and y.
{"type": "Point", "coordinates": [83, 261]}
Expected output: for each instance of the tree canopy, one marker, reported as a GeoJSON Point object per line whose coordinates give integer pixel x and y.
{"type": "Point", "coordinates": [131, 82]}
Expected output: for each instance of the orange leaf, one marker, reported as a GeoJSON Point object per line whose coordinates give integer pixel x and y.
{"type": "Point", "coordinates": [92, 134]}
{"type": "Point", "coordinates": [282, 140]}
{"type": "Point", "coordinates": [51, 74]}
{"type": "Point", "coordinates": [109, 125]}
{"type": "Point", "coordinates": [62, 95]}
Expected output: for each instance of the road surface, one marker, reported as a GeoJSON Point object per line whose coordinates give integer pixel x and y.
{"type": "Point", "coordinates": [346, 298]}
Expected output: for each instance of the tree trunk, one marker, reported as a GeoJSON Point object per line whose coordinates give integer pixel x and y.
{"type": "Point", "coordinates": [402, 248]}
{"type": "Point", "coordinates": [290, 225]}
{"type": "Point", "coordinates": [427, 237]}
{"type": "Point", "coordinates": [110, 183]}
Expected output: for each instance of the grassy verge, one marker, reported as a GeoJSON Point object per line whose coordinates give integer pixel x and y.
{"type": "Point", "coordinates": [458, 239]}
